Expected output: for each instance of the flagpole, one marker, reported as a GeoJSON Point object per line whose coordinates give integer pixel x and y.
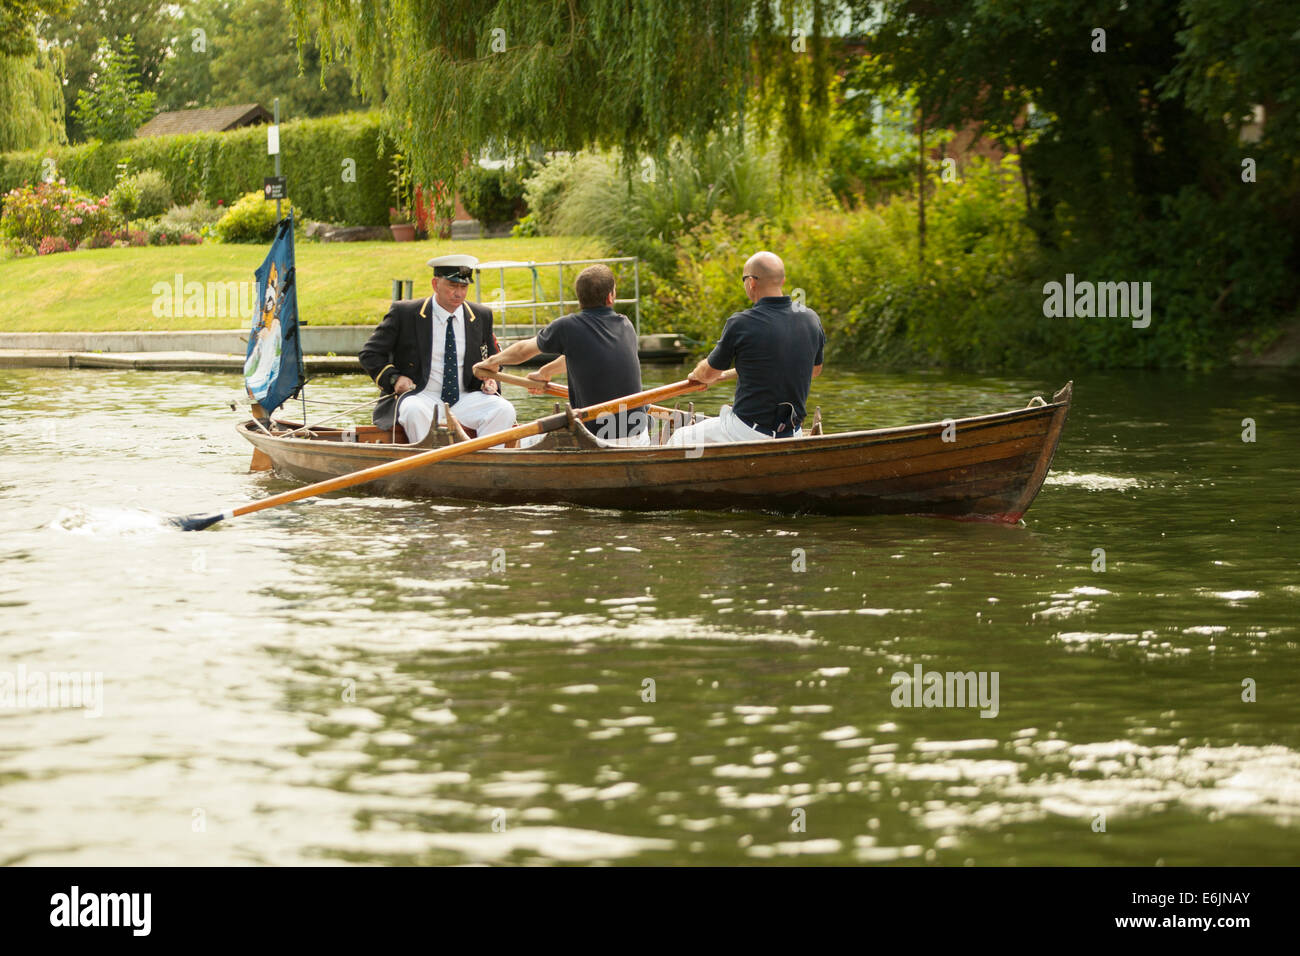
{"type": "Point", "coordinates": [302, 375]}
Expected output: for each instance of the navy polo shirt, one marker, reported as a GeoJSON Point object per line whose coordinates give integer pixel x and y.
{"type": "Point", "coordinates": [774, 347]}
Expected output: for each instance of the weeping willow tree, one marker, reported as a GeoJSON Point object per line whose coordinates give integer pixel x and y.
{"type": "Point", "coordinates": [31, 88]}
{"type": "Point", "coordinates": [458, 75]}
{"type": "Point", "coordinates": [31, 101]}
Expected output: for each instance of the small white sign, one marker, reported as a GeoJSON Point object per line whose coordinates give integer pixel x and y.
{"type": "Point", "coordinates": [272, 140]}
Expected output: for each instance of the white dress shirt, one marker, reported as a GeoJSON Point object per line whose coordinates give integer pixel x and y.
{"type": "Point", "coordinates": [439, 336]}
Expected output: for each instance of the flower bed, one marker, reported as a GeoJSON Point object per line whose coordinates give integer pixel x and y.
{"type": "Point", "coordinates": [42, 211]}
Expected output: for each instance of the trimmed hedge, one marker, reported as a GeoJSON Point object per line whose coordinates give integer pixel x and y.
{"type": "Point", "coordinates": [225, 166]}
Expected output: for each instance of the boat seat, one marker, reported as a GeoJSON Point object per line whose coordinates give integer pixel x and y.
{"type": "Point", "coordinates": [370, 435]}
{"type": "Point", "coordinates": [574, 438]}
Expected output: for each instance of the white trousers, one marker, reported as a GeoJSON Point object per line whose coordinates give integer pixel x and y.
{"type": "Point", "coordinates": [639, 440]}
{"type": "Point", "coordinates": [486, 414]}
{"type": "Point", "coordinates": [726, 427]}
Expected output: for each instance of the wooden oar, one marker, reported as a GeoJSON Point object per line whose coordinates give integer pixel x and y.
{"type": "Point", "coordinates": [550, 388]}
{"type": "Point", "coordinates": [548, 424]}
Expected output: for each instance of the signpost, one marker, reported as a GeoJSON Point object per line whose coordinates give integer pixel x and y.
{"type": "Point", "coordinates": [274, 186]}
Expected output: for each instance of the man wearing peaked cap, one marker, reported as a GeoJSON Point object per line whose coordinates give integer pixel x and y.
{"type": "Point", "coordinates": [423, 354]}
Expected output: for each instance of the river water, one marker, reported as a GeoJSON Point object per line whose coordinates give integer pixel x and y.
{"type": "Point", "coordinates": [362, 680]}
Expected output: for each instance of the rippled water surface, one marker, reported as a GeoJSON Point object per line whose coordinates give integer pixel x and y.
{"type": "Point", "coordinates": [350, 680]}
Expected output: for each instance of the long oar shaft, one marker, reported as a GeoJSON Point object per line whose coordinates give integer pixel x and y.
{"type": "Point", "coordinates": [548, 424]}
{"type": "Point", "coordinates": [560, 391]}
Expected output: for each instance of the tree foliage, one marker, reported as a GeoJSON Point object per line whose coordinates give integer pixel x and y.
{"type": "Point", "coordinates": [564, 74]}
{"type": "Point", "coordinates": [90, 24]}
{"type": "Point", "coordinates": [31, 94]}
{"type": "Point", "coordinates": [199, 53]}
{"type": "Point", "coordinates": [1238, 54]}
{"type": "Point", "coordinates": [18, 22]}
{"type": "Point", "coordinates": [247, 52]}
{"type": "Point", "coordinates": [1119, 129]}
{"type": "Point", "coordinates": [114, 104]}
{"type": "Point", "coordinates": [31, 100]}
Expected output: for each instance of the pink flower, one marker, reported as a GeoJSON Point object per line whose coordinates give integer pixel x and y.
{"type": "Point", "coordinates": [76, 220]}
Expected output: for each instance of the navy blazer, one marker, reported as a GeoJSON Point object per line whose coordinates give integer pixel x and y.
{"type": "Point", "coordinates": [403, 344]}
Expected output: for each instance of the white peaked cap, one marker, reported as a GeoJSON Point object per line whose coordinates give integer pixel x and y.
{"type": "Point", "coordinates": [455, 260]}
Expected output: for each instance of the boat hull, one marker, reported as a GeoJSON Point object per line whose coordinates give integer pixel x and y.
{"type": "Point", "coordinates": [991, 469]}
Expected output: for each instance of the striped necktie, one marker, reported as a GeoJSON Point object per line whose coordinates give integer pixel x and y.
{"type": "Point", "coordinates": [450, 367]}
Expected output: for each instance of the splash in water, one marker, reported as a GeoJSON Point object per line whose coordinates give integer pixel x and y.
{"type": "Point", "coordinates": [1092, 482]}
{"type": "Point", "coordinates": [107, 521]}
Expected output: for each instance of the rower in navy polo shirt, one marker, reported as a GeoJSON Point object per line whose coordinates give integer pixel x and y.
{"type": "Point", "coordinates": [777, 349]}
{"type": "Point", "coordinates": [597, 349]}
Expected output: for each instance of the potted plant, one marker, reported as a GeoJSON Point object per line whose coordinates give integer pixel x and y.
{"type": "Point", "coordinates": [399, 221]}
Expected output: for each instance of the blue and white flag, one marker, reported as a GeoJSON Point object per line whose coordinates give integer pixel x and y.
{"type": "Point", "coordinates": [273, 370]}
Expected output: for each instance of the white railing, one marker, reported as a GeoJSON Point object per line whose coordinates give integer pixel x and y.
{"type": "Point", "coordinates": [501, 305]}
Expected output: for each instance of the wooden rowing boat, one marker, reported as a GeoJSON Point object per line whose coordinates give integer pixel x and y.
{"type": "Point", "coordinates": [989, 467]}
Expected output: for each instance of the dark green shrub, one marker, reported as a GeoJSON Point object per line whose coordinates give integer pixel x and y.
{"type": "Point", "coordinates": [493, 196]}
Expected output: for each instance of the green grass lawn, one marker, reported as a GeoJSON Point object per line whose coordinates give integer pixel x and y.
{"type": "Point", "coordinates": [343, 283]}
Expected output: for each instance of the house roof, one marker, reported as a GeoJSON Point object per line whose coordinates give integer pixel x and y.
{"type": "Point", "coordinates": [214, 119]}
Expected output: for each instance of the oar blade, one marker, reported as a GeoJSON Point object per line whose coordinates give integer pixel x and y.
{"type": "Point", "coordinates": [196, 522]}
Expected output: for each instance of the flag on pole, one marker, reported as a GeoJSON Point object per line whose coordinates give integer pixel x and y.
{"type": "Point", "coordinates": [273, 371]}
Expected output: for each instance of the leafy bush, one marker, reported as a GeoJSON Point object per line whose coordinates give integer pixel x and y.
{"type": "Point", "coordinates": [493, 196]}
{"type": "Point", "coordinates": [526, 228]}
{"type": "Point", "coordinates": [53, 244]}
{"type": "Point", "coordinates": [250, 219]}
{"type": "Point", "coordinates": [644, 211]}
{"type": "Point", "coordinates": [155, 193]}
{"type": "Point", "coordinates": [192, 218]}
{"type": "Point", "coordinates": [14, 249]}
{"type": "Point", "coordinates": [337, 165]}
{"type": "Point", "coordinates": [160, 235]}
{"type": "Point", "coordinates": [146, 195]}
{"type": "Point", "coordinates": [860, 271]}
{"type": "Point", "coordinates": [1218, 272]}
{"type": "Point", "coordinates": [124, 198]}
{"type": "Point", "coordinates": [100, 240]}
{"type": "Point", "coordinates": [544, 190]}
{"type": "Point", "coordinates": [33, 213]}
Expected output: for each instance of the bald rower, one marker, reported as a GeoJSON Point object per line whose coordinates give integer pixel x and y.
{"type": "Point", "coordinates": [777, 349]}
